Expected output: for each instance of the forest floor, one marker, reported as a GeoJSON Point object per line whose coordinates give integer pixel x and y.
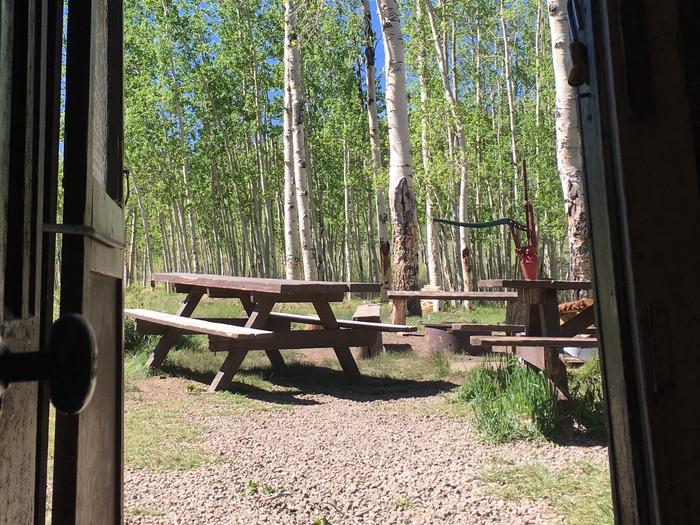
{"type": "Point", "coordinates": [306, 447]}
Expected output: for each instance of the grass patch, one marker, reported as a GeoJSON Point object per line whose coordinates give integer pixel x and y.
{"type": "Point", "coordinates": [157, 438]}
{"type": "Point", "coordinates": [482, 312]}
{"type": "Point", "coordinates": [580, 493]}
{"type": "Point", "coordinates": [145, 511]}
{"type": "Point", "coordinates": [510, 402]}
{"type": "Point", "coordinates": [403, 502]}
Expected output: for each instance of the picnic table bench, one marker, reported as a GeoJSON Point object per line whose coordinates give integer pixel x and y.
{"type": "Point", "coordinates": [262, 329]}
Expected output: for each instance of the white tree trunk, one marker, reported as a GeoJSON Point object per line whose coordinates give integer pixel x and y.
{"type": "Point", "coordinates": [430, 239]}
{"type": "Point", "coordinates": [292, 245]}
{"type": "Point", "coordinates": [402, 198]}
{"type": "Point", "coordinates": [346, 208]}
{"type": "Point", "coordinates": [296, 91]}
{"type": "Point", "coordinates": [569, 157]}
{"type": "Point", "coordinates": [451, 99]}
{"type": "Point", "coordinates": [382, 215]}
{"type": "Point", "coordinates": [511, 105]}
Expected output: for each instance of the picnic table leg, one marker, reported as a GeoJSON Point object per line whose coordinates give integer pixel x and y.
{"type": "Point", "coordinates": [232, 363]}
{"type": "Point", "coordinates": [543, 320]}
{"type": "Point", "coordinates": [343, 353]}
{"type": "Point", "coordinates": [169, 337]}
{"type": "Point", "coordinates": [274, 355]}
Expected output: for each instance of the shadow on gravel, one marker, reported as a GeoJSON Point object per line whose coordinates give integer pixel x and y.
{"type": "Point", "coordinates": [299, 379]}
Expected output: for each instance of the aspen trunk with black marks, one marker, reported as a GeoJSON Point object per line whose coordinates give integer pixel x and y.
{"type": "Point", "coordinates": [402, 197]}
{"type": "Point", "coordinates": [463, 157]}
{"type": "Point", "coordinates": [296, 93]}
{"type": "Point", "coordinates": [382, 215]}
{"type": "Point", "coordinates": [569, 156]}
{"type": "Point", "coordinates": [292, 245]}
{"type": "Point", "coordinates": [148, 256]}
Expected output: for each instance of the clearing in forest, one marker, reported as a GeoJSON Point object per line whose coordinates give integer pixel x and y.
{"type": "Point", "coordinates": [305, 447]}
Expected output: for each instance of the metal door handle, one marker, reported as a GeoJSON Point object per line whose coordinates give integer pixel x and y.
{"type": "Point", "coordinates": [69, 365]}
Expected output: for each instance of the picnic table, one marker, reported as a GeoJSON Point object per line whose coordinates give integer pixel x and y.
{"type": "Point", "coordinates": [262, 329]}
{"type": "Point", "coordinates": [544, 334]}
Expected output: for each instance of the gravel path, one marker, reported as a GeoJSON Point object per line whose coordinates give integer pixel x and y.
{"type": "Point", "coordinates": [350, 461]}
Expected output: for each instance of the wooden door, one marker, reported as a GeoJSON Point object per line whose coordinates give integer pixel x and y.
{"type": "Point", "coordinates": [88, 450]}
{"type": "Point", "coordinates": [88, 462]}
{"type": "Point", "coordinates": [29, 108]}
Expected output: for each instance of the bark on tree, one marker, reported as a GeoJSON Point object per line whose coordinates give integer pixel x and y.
{"type": "Point", "coordinates": [402, 197]}
{"type": "Point", "coordinates": [291, 216]}
{"type": "Point", "coordinates": [296, 90]}
{"type": "Point", "coordinates": [382, 215]}
{"type": "Point", "coordinates": [569, 156]}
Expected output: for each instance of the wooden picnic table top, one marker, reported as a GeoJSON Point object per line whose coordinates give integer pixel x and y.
{"type": "Point", "coordinates": [263, 285]}
{"type": "Point", "coordinates": [541, 284]}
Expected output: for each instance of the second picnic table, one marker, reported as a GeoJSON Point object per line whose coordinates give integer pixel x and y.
{"type": "Point", "coordinates": [544, 333]}
{"type": "Point", "coordinates": [263, 329]}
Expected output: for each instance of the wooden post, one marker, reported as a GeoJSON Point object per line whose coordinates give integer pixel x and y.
{"type": "Point", "coordinates": [398, 311]}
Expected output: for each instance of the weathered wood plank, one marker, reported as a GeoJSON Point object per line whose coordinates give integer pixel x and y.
{"type": "Point", "coordinates": [542, 283]}
{"type": "Point", "coordinates": [198, 326]}
{"type": "Point", "coordinates": [532, 341]}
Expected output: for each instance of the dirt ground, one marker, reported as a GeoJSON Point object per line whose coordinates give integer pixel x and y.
{"type": "Point", "coordinates": [328, 454]}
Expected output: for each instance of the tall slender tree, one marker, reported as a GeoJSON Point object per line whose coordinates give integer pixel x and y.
{"type": "Point", "coordinates": [463, 158]}
{"type": "Point", "coordinates": [296, 93]}
{"type": "Point", "coordinates": [402, 197]}
{"type": "Point", "coordinates": [382, 215]}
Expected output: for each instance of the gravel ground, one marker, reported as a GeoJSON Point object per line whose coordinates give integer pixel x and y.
{"type": "Point", "coordinates": [348, 460]}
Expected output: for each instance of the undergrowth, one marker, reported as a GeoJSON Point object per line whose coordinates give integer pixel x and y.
{"type": "Point", "coordinates": [511, 401]}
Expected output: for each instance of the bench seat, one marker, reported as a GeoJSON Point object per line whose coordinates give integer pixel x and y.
{"type": "Point", "coordinates": [312, 319]}
{"type": "Point", "coordinates": [198, 326]}
{"type": "Point", "coordinates": [473, 327]}
{"type": "Point", "coordinates": [532, 341]}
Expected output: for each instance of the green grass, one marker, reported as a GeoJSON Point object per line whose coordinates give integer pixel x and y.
{"type": "Point", "coordinates": [158, 437]}
{"type": "Point", "coordinates": [510, 402]}
{"type": "Point", "coordinates": [480, 312]}
{"type": "Point", "coordinates": [161, 436]}
{"type": "Point", "coordinates": [145, 511]}
{"type": "Point", "coordinates": [580, 492]}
